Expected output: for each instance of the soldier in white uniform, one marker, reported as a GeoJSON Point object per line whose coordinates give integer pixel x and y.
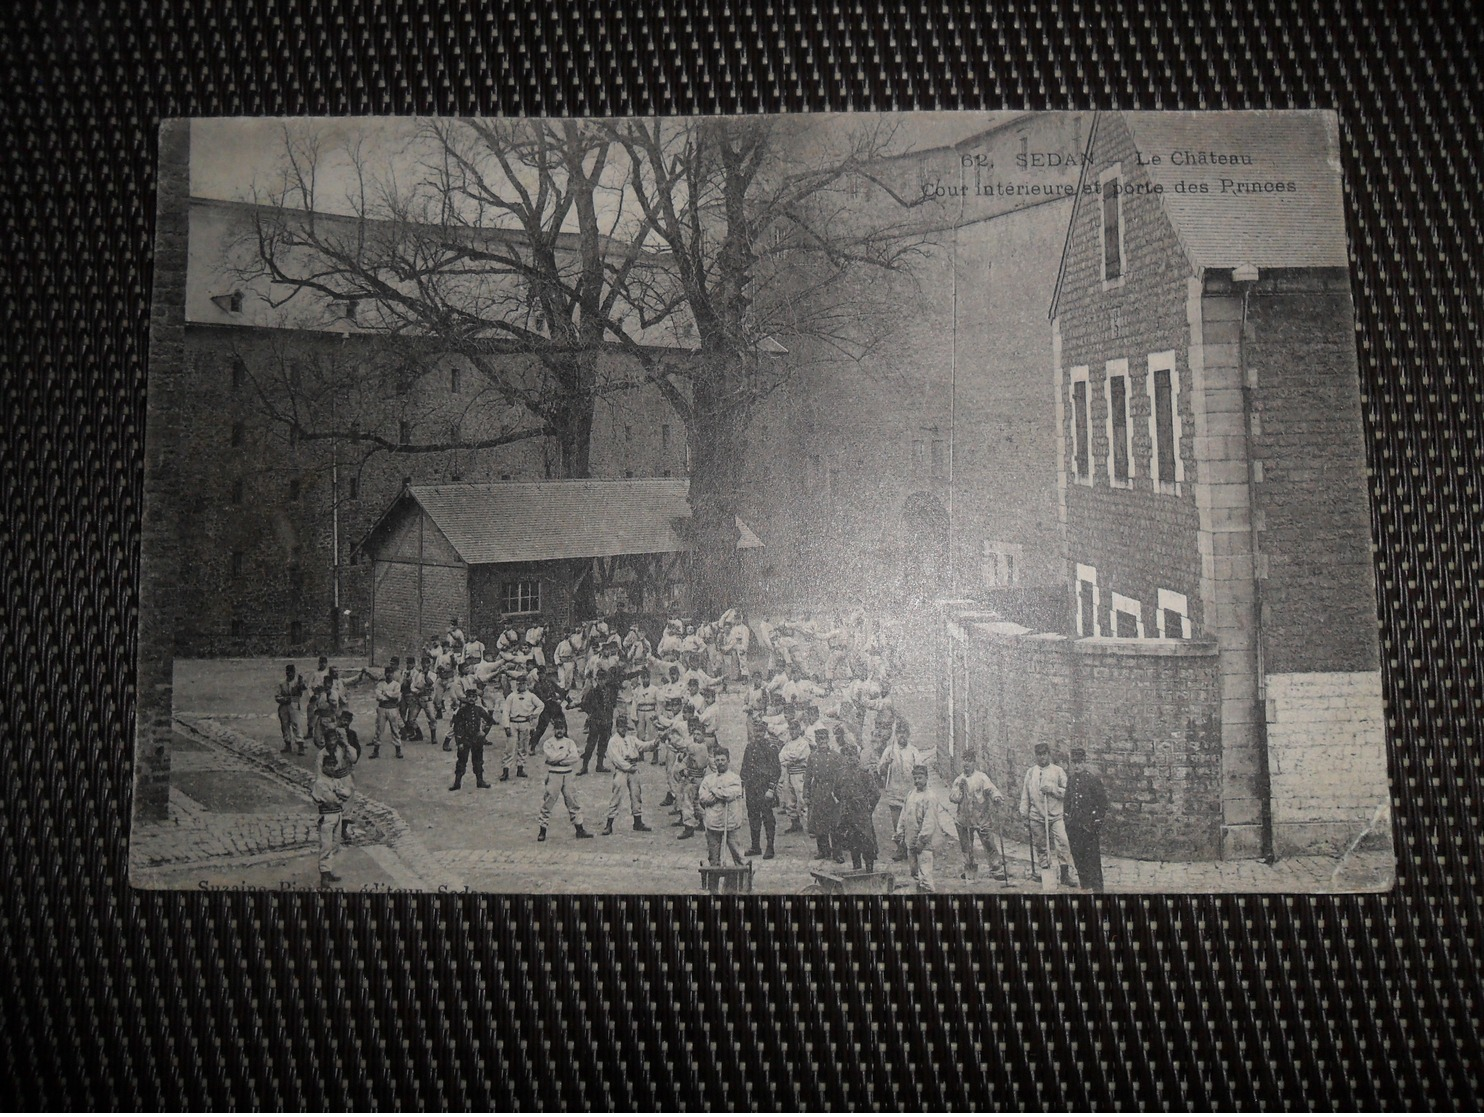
{"type": "Point", "coordinates": [919, 829]}
{"type": "Point", "coordinates": [561, 755]}
{"type": "Point", "coordinates": [738, 644]}
{"type": "Point", "coordinates": [290, 698]}
{"type": "Point", "coordinates": [1042, 798]}
{"type": "Point", "coordinates": [455, 637]}
{"type": "Point", "coordinates": [522, 708]}
{"type": "Point", "coordinates": [566, 659]}
{"type": "Point", "coordinates": [644, 708]}
{"type": "Point", "coordinates": [332, 791]}
{"type": "Point", "coordinates": [625, 752]}
{"type": "Point", "coordinates": [535, 639]}
{"type": "Point", "coordinates": [388, 712]}
{"type": "Point", "coordinates": [793, 758]}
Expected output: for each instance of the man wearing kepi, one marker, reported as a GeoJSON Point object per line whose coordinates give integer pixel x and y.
{"type": "Point", "coordinates": [625, 752]}
{"type": "Point", "coordinates": [1086, 806]}
{"type": "Point", "coordinates": [521, 710]}
{"type": "Point", "coordinates": [290, 699]}
{"type": "Point", "coordinates": [471, 721]}
{"type": "Point", "coordinates": [331, 792]}
{"type": "Point", "coordinates": [561, 755]}
{"type": "Point", "coordinates": [918, 829]}
{"type": "Point", "coordinates": [1042, 800]}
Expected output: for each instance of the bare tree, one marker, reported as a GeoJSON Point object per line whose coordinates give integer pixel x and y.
{"type": "Point", "coordinates": [767, 244]}
{"type": "Point", "coordinates": [495, 244]}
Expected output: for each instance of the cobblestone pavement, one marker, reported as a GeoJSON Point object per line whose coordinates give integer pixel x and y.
{"type": "Point", "coordinates": [415, 833]}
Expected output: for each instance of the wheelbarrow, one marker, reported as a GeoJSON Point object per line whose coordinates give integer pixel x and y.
{"type": "Point", "coordinates": [726, 879]}
{"type": "Point", "coordinates": [853, 882]}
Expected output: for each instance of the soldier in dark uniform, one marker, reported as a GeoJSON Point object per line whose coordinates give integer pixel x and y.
{"type": "Point", "coordinates": [598, 704]}
{"type": "Point", "coordinates": [821, 782]}
{"type": "Point", "coordinates": [858, 794]}
{"type": "Point", "coordinates": [553, 698]}
{"type": "Point", "coordinates": [471, 721]}
{"type": "Point", "coordinates": [760, 772]}
{"type": "Point", "coordinates": [1086, 807]}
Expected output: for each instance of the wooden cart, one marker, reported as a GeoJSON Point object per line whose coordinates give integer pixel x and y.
{"type": "Point", "coordinates": [854, 882]}
{"type": "Point", "coordinates": [726, 879]}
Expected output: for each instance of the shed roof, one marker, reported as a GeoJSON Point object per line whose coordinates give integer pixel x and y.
{"type": "Point", "coordinates": [533, 521]}
{"type": "Point", "coordinates": [1223, 228]}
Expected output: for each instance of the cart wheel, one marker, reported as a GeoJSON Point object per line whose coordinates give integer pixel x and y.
{"type": "Point", "coordinates": [815, 889]}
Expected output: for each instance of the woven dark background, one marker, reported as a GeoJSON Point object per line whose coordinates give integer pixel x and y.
{"type": "Point", "coordinates": [112, 998]}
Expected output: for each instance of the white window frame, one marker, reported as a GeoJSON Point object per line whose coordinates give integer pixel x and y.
{"type": "Point", "coordinates": [1118, 369]}
{"type": "Point", "coordinates": [1115, 171]}
{"type": "Point", "coordinates": [1171, 602]}
{"type": "Point", "coordinates": [516, 584]}
{"type": "Point", "coordinates": [1089, 575]}
{"type": "Point", "coordinates": [1079, 375]}
{"type": "Point", "coordinates": [1000, 563]}
{"type": "Point", "coordinates": [1164, 362]}
{"type": "Point", "coordinates": [1129, 607]}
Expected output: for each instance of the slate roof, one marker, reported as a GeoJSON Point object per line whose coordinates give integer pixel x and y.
{"type": "Point", "coordinates": [1300, 229]}
{"type": "Point", "coordinates": [534, 521]}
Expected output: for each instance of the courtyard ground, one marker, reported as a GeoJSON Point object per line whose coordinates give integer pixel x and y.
{"type": "Point", "coordinates": [240, 817]}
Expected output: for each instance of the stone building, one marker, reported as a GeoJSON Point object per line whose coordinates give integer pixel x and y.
{"type": "Point", "coordinates": [1212, 495]}
{"type": "Point", "coordinates": [267, 522]}
{"type": "Point", "coordinates": [518, 553]}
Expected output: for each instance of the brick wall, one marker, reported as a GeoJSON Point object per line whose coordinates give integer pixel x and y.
{"type": "Point", "coordinates": [1138, 540]}
{"type": "Point", "coordinates": [1146, 711]}
{"type": "Point", "coordinates": [486, 585]}
{"type": "Point", "coordinates": [1327, 757]}
{"type": "Point", "coordinates": [1318, 589]}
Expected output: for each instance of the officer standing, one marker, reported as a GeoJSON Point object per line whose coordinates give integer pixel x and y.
{"type": "Point", "coordinates": [471, 721]}
{"type": "Point", "coordinates": [1086, 807]}
{"type": "Point", "coordinates": [598, 704]}
{"type": "Point", "coordinates": [760, 772]}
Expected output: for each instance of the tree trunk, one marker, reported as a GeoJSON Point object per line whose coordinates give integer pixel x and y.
{"type": "Point", "coordinates": [715, 454]}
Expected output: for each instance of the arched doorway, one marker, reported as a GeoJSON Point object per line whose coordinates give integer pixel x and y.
{"type": "Point", "coordinates": [925, 567]}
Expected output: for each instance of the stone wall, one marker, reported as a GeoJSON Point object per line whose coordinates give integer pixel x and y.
{"type": "Point", "coordinates": [1146, 711]}
{"type": "Point", "coordinates": [1326, 757]}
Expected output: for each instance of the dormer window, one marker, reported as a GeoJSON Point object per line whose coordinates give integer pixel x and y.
{"type": "Point", "coordinates": [230, 303]}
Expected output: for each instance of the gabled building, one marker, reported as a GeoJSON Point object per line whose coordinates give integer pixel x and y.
{"type": "Point", "coordinates": [519, 553]}
{"type": "Point", "coordinates": [1211, 458]}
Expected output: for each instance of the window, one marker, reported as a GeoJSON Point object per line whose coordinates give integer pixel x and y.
{"type": "Point", "coordinates": [239, 373]}
{"type": "Point", "coordinates": [1088, 601]}
{"type": "Point", "coordinates": [239, 564]}
{"type": "Point", "coordinates": [353, 489]}
{"type": "Point", "coordinates": [665, 436]}
{"type": "Point", "coordinates": [1128, 618]}
{"type": "Point", "coordinates": [237, 491]}
{"type": "Point", "coordinates": [1120, 459]}
{"type": "Point", "coordinates": [1081, 437]}
{"type": "Point", "coordinates": [230, 302]}
{"type": "Point", "coordinates": [506, 477]}
{"type": "Point", "coordinates": [296, 487]}
{"type": "Point", "coordinates": [1174, 616]}
{"type": "Point", "coordinates": [296, 632]}
{"type": "Point", "coordinates": [238, 430]}
{"type": "Point", "coordinates": [628, 473]}
{"type": "Point", "coordinates": [1110, 183]}
{"type": "Point", "coordinates": [1166, 469]}
{"type": "Point", "coordinates": [455, 380]}
{"type": "Point", "coordinates": [1000, 563]}
{"type": "Point", "coordinates": [521, 597]}
{"type": "Point", "coordinates": [666, 473]}
{"type": "Point", "coordinates": [404, 433]}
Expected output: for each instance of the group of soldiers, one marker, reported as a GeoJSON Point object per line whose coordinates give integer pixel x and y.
{"type": "Point", "coordinates": [652, 715]}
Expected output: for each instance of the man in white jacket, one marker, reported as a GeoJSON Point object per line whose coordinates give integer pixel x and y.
{"type": "Point", "coordinates": [625, 752]}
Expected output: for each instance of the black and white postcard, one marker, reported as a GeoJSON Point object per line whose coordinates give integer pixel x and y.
{"type": "Point", "coordinates": [891, 503]}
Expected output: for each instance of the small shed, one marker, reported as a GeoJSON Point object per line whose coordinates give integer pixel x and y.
{"type": "Point", "coordinates": [520, 552]}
